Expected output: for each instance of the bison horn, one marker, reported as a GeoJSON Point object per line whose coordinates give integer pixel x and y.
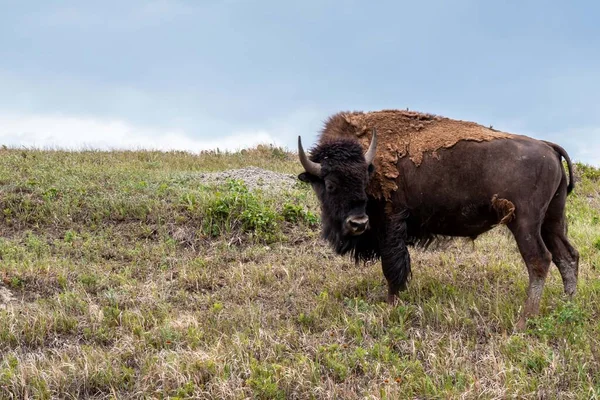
{"type": "Point", "coordinates": [311, 167]}
{"type": "Point", "coordinates": [370, 154]}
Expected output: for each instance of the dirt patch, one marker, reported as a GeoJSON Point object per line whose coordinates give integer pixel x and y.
{"type": "Point", "coordinates": [404, 134]}
{"type": "Point", "coordinates": [254, 178]}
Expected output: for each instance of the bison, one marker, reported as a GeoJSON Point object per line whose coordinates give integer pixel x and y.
{"type": "Point", "coordinates": [432, 177]}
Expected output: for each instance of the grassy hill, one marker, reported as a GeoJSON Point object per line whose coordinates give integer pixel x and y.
{"type": "Point", "coordinates": [126, 275]}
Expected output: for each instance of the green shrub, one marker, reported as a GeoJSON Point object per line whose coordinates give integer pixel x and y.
{"type": "Point", "coordinates": [588, 172]}
{"type": "Point", "coordinates": [566, 321]}
{"type": "Point", "coordinates": [236, 208]}
{"type": "Point", "coordinates": [263, 381]}
{"type": "Point", "coordinates": [295, 214]}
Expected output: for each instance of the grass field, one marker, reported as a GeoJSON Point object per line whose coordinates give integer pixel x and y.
{"type": "Point", "coordinates": [123, 276]}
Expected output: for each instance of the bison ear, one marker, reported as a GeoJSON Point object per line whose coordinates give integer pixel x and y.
{"type": "Point", "coordinates": [371, 169]}
{"type": "Point", "coordinates": [306, 177]}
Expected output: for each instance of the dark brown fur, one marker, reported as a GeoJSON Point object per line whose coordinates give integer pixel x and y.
{"type": "Point", "coordinates": [463, 190]}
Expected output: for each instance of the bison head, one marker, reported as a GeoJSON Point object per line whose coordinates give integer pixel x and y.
{"type": "Point", "coordinates": [339, 173]}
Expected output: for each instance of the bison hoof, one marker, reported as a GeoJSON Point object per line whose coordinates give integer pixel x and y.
{"type": "Point", "coordinates": [570, 291]}
{"type": "Point", "coordinates": [521, 325]}
{"type": "Point", "coordinates": [393, 300]}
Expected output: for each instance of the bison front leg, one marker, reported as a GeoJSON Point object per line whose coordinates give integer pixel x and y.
{"type": "Point", "coordinates": [395, 272]}
{"type": "Point", "coordinates": [395, 260]}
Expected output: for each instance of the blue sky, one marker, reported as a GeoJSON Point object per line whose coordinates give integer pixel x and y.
{"type": "Point", "coordinates": [221, 73]}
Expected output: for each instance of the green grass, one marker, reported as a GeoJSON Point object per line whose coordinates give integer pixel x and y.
{"type": "Point", "coordinates": [131, 278]}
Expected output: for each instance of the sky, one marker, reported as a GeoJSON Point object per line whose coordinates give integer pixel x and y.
{"type": "Point", "coordinates": [197, 75]}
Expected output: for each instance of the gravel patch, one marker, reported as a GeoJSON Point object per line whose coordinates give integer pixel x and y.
{"type": "Point", "coordinates": [254, 178]}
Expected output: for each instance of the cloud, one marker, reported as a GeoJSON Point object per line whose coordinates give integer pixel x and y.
{"type": "Point", "coordinates": [54, 131]}
{"type": "Point", "coordinates": [76, 133]}
{"type": "Point", "coordinates": [587, 144]}
{"type": "Point", "coordinates": [306, 122]}
{"type": "Point", "coordinates": [582, 144]}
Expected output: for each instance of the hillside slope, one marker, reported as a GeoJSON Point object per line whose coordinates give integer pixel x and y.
{"type": "Point", "coordinates": [132, 274]}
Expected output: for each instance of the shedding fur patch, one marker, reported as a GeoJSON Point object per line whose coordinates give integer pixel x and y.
{"type": "Point", "coordinates": [403, 134]}
{"type": "Point", "coordinates": [504, 208]}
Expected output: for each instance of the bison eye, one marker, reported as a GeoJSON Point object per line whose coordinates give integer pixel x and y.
{"type": "Point", "coordinates": [329, 186]}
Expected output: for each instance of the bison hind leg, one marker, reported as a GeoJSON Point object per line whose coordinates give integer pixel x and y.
{"type": "Point", "coordinates": [554, 233]}
{"type": "Point", "coordinates": [566, 259]}
{"type": "Point", "coordinates": [537, 258]}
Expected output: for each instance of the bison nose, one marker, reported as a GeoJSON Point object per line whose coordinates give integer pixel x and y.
{"type": "Point", "coordinates": [357, 225]}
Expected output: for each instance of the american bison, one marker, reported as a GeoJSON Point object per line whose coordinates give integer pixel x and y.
{"type": "Point", "coordinates": [423, 176]}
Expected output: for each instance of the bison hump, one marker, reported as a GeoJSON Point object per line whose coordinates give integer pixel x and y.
{"type": "Point", "coordinates": [403, 133]}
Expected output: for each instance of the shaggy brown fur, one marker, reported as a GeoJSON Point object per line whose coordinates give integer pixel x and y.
{"type": "Point", "coordinates": [404, 133]}
{"type": "Point", "coordinates": [504, 208]}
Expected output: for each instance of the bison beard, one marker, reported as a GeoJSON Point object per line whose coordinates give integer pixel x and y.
{"type": "Point", "coordinates": [361, 248]}
{"type": "Point", "coordinates": [393, 234]}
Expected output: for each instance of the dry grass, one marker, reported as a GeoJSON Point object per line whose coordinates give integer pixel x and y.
{"type": "Point", "coordinates": [121, 276]}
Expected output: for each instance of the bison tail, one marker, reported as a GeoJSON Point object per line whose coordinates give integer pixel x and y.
{"type": "Point", "coordinates": [562, 152]}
